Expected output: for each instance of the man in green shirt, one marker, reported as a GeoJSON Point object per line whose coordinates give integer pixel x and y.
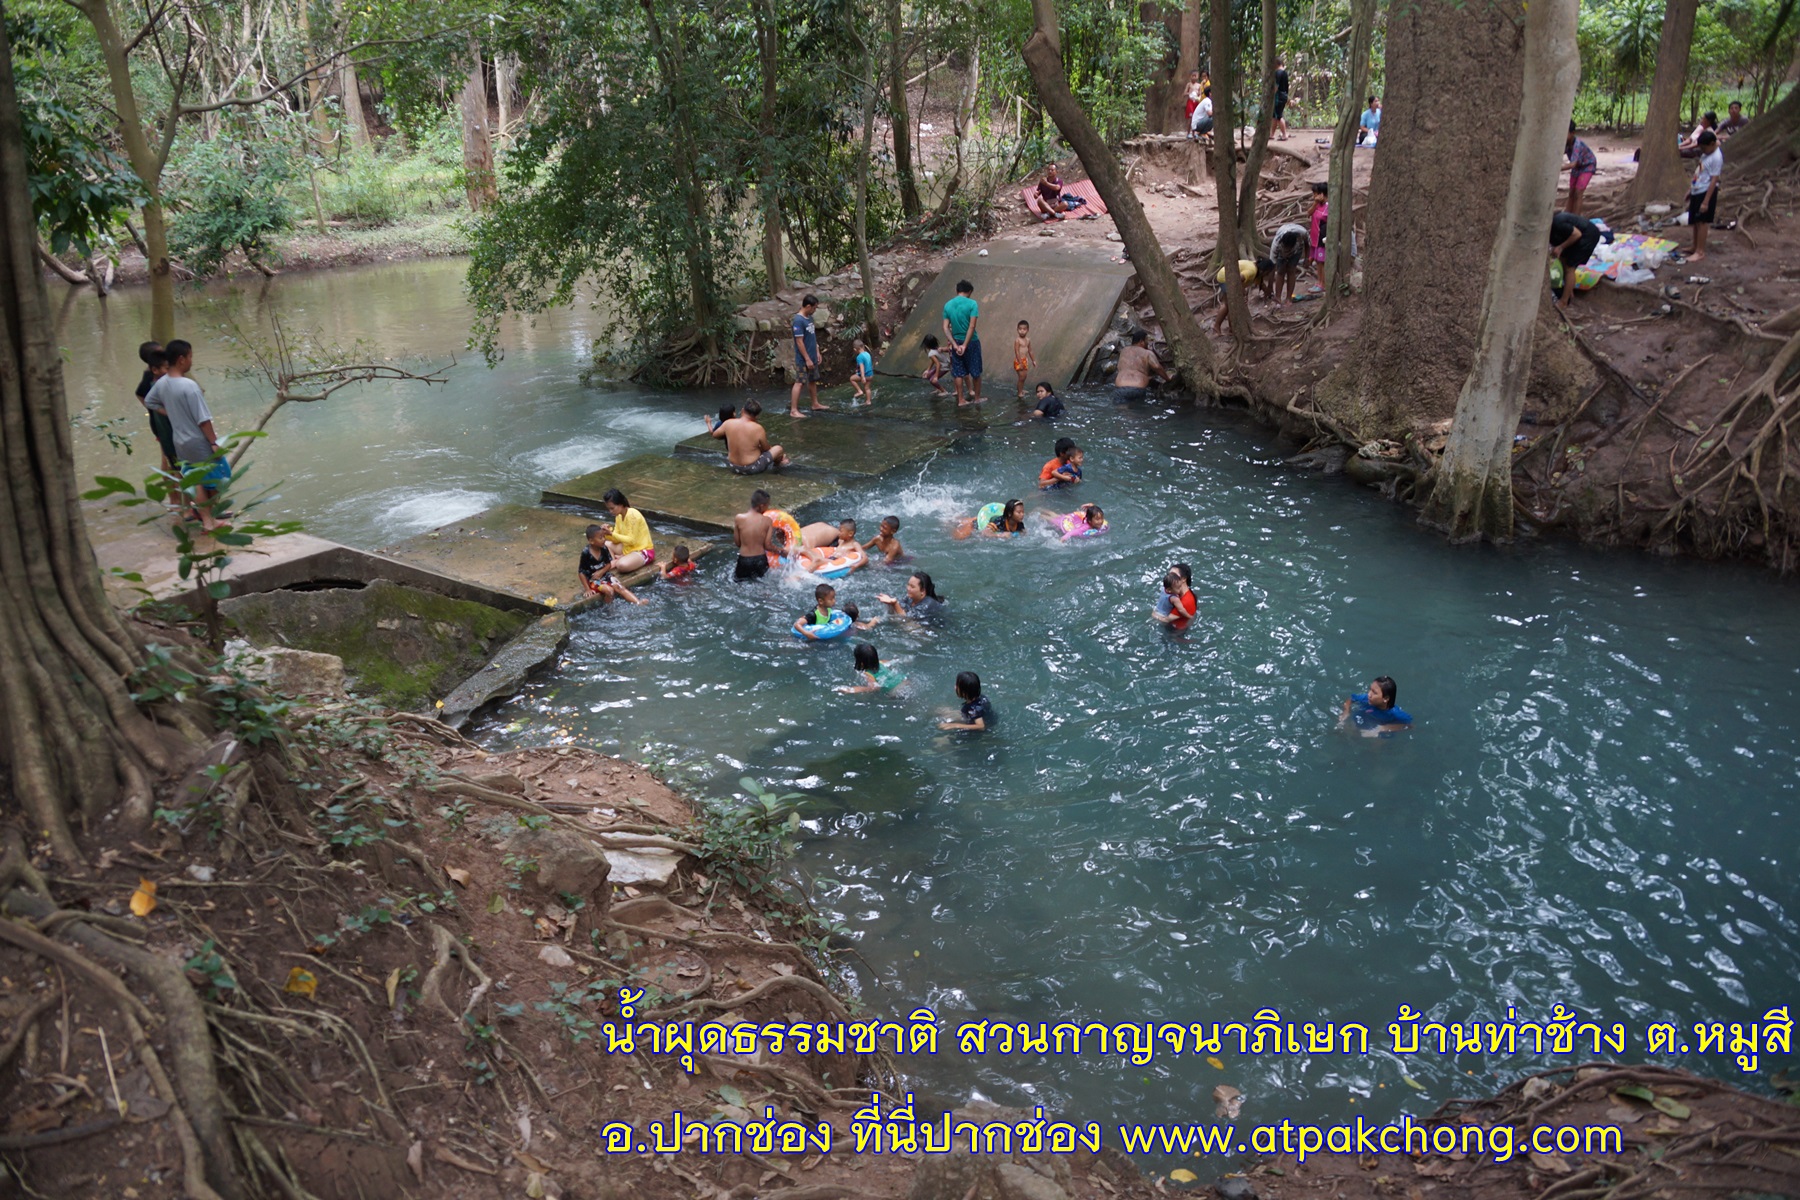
{"type": "Point", "coordinates": [965, 346]}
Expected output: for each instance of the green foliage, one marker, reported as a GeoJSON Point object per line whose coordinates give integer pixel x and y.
{"type": "Point", "coordinates": [229, 196]}
{"type": "Point", "coordinates": [207, 967]}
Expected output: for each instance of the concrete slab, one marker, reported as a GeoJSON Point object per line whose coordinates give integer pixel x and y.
{"type": "Point", "coordinates": [686, 491]}
{"type": "Point", "coordinates": [826, 443]}
{"type": "Point", "coordinates": [523, 551]}
{"type": "Point", "coordinates": [1067, 290]}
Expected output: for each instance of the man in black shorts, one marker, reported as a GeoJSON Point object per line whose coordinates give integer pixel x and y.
{"type": "Point", "coordinates": [1703, 193]}
{"type": "Point", "coordinates": [750, 530]}
{"type": "Point", "coordinates": [1573, 240]}
{"type": "Point", "coordinates": [1281, 100]}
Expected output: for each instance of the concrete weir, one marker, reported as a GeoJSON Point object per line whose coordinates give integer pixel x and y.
{"type": "Point", "coordinates": [687, 491]}
{"type": "Point", "coordinates": [1067, 290]}
{"type": "Point", "coordinates": [829, 444]}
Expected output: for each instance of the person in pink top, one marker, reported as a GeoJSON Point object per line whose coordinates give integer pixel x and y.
{"type": "Point", "coordinates": [1320, 211]}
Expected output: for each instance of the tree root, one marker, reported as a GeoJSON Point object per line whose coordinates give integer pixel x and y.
{"type": "Point", "coordinates": [756, 993]}
{"type": "Point", "coordinates": [57, 1137]}
{"type": "Point", "coordinates": [448, 949]}
{"type": "Point", "coordinates": [11, 1046]}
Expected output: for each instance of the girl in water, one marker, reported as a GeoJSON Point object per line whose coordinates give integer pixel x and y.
{"type": "Point", "coordinates": [1085, 521]}
{"type": "Point", "coordinates": [994, 520]}
{"type": "Point", "coordinates": [875, 677]}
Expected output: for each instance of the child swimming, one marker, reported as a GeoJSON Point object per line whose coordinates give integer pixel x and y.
{"type": "Point", "coordinates": [1176, 606]}
{"type": "Point", "coordinates": [680, 564]}
{"type": "Point", "coordinates": [808, 625]}
{"type": "Point", "coordinates": [876, 677]}
{"type": "Point", "coordinates": [1064, 470]}
{"type": "Point", "coordinates": [886, 543]}
{"type": "Point", "coordinates": [993, 520]}
{"type": "Point", "coordinates": [1048, 405]}
{"type": "Point", "coordinates": [856, 621]}
{"type": "Point", "coordinates": [977, 711]}
{"type": "Point", "coordinates": [1085, 521]}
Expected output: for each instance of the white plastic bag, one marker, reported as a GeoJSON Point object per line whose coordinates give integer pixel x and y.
{"type": "Point", "coordinates": [1629, 275]}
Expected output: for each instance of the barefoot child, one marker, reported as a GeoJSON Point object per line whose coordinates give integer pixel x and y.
{"type": "Point", "coordinates": [1258, 273]}
{"type": "Point", "coordinates": [680, 564]}
{"type": "Point", "coordinates": [824, 596]}
{"type": "Point", "coordinates": [1321, 212]}
{"type": "Point", "coordinates": [886, 543]}
{"type": "Point", "coordinates": [1023, 358]}
{"type": "Point", "coordinates": [862, 378]}
{"type": "Point", "coordinates": [595, 569]}
{"type": "Point", "coordinates": [977, 711]}
{"type": "Point", "coordinates": [936, 363]}
{"type": "Point", "coordinates": [876, 678]}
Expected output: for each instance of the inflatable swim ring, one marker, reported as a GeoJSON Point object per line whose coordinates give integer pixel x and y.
{"type": "Point", "coordinates": [988, 517]}
{"type": "Point", "coordinates": [785, 520]}
{"type": "Point", "coordinates": [1074, 525]}
{"type": "Point", "coordinates": [840, 621]}
{"type": "Point", "coordinates": [842, 562]}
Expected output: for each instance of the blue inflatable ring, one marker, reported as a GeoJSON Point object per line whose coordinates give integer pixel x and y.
{"type": "Point", "coordinates": [839, 623]}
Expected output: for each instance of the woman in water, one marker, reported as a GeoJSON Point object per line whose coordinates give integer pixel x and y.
{"type": "Point", "coordinates": [921, 599]}
{"type": "Point", "coordinates": [994, 520]}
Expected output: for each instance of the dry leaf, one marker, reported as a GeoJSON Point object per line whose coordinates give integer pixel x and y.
{"type": "Point", "coordinates": [458, 874]}
{"type": "Point", "coordinates": [1550, 1164]}
{"type": "Point", "coordinates": [1217, 1063]}
{"type": "Point", "coordinates": [300, 982]}
{"type": "Point", "coordinates": [532, 1162]}
{"type": "Point", "coordinates": [1434, 1168]}
{"type": "Point", "coordinates": [1182, 1175]}
{"type": "Point", "coordinates": [556, 956]}
{"type": "Point", "coordinates": [143, 901]}
{"type": "Point", "coordinates": [1227, 1102]}
{"type": "Point", "coordinates": [393, 985]}
{"type": "Point", "coordinates": [415, 1161]}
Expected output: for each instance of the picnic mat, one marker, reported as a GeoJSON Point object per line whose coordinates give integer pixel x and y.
{"type": "Point", "coordinates": [1085, 189]}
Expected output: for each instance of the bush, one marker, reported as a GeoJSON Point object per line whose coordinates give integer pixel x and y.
{"type": "Point", "coordinates": [229, 195]}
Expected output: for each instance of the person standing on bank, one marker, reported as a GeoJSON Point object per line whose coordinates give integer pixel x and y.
{"type": "Point", "coordinates": [190, 428]}
{"type": "Point", "coordinates": [1703, 194]}
{"type": "Point", "coordinates": [1281, 99]}
{"type": "Point", "coordinates": [1581, 167]}
{"type": "Point", "coordinates": [806, 356]}
{"type": "Point", "coordinates": [960, 315]}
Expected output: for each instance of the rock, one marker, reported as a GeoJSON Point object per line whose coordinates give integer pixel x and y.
{"type": "Point", "coordinates": [743, 324]}
{"type": "Point", "coordinates": [556, 956]}
{"type": "Point", "coordinates": [644, 866]}
{"type": "Point", "coordinates": [529, 649]}
{"type": "Point", "coordinates": [1234, 1187]}
{"type": "Point", "coordinates": [1111, 236]}
{"type": "Point", "coordinates": [1021, 1183]}
{"type": "Point", "coordinates": [567, 863]}
{"type": "Point", "coordinates": [297, 672]}
{"type": "Point", "coordinates": [1329, 459]}
{"type": "Point", "coordinates": [765, 325]}
{"type": "Point", "coordinates": [959, 1174]}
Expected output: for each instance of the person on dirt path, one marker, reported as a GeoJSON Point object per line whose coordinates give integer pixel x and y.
{"type": "Point", "coordinates": [1287, 250]}
{"type": "Point", "coordinates": [806, 356]}
{"type": "Point", "coordinates": [747, 447]}
{"type": "Point", "coordinates": [1136, 365]}
{"type": "Point", "coordinates": [1369, 131]}
{"type": "Point", "coordinates": [1281, 100]}
{"type": "Point", "coordinates": [1193, 100]}
{"type": "Point", "coordinates": [1573, 239]}
{"type": "Point", "coordinates": [750, 532]}
{"type": "Point", "coordinates": [1201, 123]}
{"type": "Point", "coordinates": [1321, 213]}
{"type": "Point", "coordinates": [1703, 193]}
{"type": "Point", "coordinates": [960, 316]}
{"type": "Point", "coordinates": [1581, 167]}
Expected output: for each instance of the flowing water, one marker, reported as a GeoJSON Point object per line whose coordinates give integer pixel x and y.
{"type": "Point", "coordinates": [1593, 809]}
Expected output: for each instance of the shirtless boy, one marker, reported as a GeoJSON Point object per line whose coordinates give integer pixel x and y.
{"type": "Point", "coordinates": [886, 543]}
{"type": "Point", "coordinates": [1136, 365]}
{"type": "Point", "coordinates": [747, 447]}
{"type": "Point", "coordinates": [750, 531]}
{"type": "Point", "coordinates": [822, 535]}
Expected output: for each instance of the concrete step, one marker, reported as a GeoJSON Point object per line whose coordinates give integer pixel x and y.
{"type": "Point", "coordinates": [686, 491]}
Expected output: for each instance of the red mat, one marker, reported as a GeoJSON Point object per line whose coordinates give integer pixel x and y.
{"type": "Point", "coordinates": [1085, 188]}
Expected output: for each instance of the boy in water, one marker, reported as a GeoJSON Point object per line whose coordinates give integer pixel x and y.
{"type": "Point", "coordinates": [1023, 357]}
{"type": "Point", "coordinates": [680, 564]}
{"type": "Point", "coordinates": [595, 569]}
{"type": "Point", "coordinates": [862, 377]}
{"type": "Point", "coordinates": [977, 711]}
{"type": "Point", "coordinates": [1065, 469]}
{"type": "Point", "coordinates": [824, 596]}
{"type": "Point", "coordinates": [886, 543]}
{"type": "Point", "coordinates": [1374, 711]}
{"type": "Point", "coordinates": [936, 363]}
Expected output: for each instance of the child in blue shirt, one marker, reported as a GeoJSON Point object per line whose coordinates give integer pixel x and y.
{"type": "Point", "coordinates": [863, 377]}
{"type": "Point", "coordinates": [1374, 712]}
{"type": "Point", "coordinates": [977, 711]}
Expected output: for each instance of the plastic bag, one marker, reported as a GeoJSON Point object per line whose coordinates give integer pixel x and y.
{"type": "Point", "coordinates": [1629, 274]}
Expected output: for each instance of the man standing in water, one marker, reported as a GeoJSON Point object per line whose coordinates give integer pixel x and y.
{"type": "Point", "coordinates": [1136, 365]}
{"type": "Point", "coordinates": [965, 344]}
{"type": "Point", "coordinates": [747, 446]}
{"type": "Point", "coordinates": [750, 530]}
{"type": "Point", "coordinates": [806, 356]}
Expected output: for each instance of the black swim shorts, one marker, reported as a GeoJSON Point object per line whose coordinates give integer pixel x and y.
{"type": "Point", "coordinates": [762, 465]}
{"type": "Point", "coordinates": [1125, 395]}
{"type": "Point", "coordinates": [751, 566]}
{"type": "Point", "coordinates": [1698, 215]}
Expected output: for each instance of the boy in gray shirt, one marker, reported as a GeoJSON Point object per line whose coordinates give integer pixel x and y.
{"type": "Point", "coordinates": [190, 426]}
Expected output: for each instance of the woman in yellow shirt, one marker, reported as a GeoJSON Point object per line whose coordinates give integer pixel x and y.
{"type": "Point", "coordinates": [629, 534]}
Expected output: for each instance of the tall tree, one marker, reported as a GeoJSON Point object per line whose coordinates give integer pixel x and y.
{"type": "Point", "coordinates": [1471, 494]}
{"type": "Point", "coordinates": [768, 57]}
{"type": "Point", "coordinates": [1043, 58]}
{"type": "Point", "coordinates": [1341, 179]}
{"type": "Point", "coordinates": [899, 113]}
{"type": "Point", "coordinates": [1248, 237]}
{"type": "Point", "coordinates": [1436, 193]}
{"type": "Point", "coordinates": [477, 137]}
{"type": "Point", "coordinates": [73, 743]}
{"type": "Point", "coordinates": [1660, 174]}
{"type": "Point", "coordinates": [356, 125]}
{"type": "Point", "coordinates": [1225, 127]}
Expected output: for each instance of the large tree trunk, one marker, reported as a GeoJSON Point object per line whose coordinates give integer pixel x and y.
{"type": "Point", "coordinates": [1043, 58]}
{"type": "Point", "coordinates": [1225, 125]}
{"type": "Point", "coordinates": [72, 742]}
{"type": "Point", "coordinates": [1436, 195]}
{"type": "Point", "coordinates": [900, 118]}
{"type": "Point", "coordinates": [1340, 232]}
{"type": "Point", "coordinates": [1471, 496]}
{"type": "Point", "coordinates": [1249, 238]}
{"type": "Point", "coordinates": [477, 139]}
{"type": "Point", "coordinates": [146, 163]}
{"type": "Point", "coordinates": [768, 51]}
{"type": "Point", "coordinates": [1772, 140]}
{"type": "Point", "coordinates": [1661, 174]}
{"type": "Point", "coordinates": [872, 329]}
{"type": "Point", "coordinates": [349, 89]}
{"type": "Point", "coordinates": [671, 58]}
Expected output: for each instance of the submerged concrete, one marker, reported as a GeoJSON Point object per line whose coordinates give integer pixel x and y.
{"type": "Point", "coordinates": [686, 491]}
{"type": "Point", "coordinates": [829, 444]}
{"type": "Point", "coordinates": [1067, 290]}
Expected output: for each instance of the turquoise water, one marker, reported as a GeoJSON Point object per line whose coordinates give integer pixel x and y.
{"type": "Point", "coordinates": [1593, 810]}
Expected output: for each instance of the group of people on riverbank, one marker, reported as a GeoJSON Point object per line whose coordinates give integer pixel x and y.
{"type": "Point", "coordinates": [183, 428]}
